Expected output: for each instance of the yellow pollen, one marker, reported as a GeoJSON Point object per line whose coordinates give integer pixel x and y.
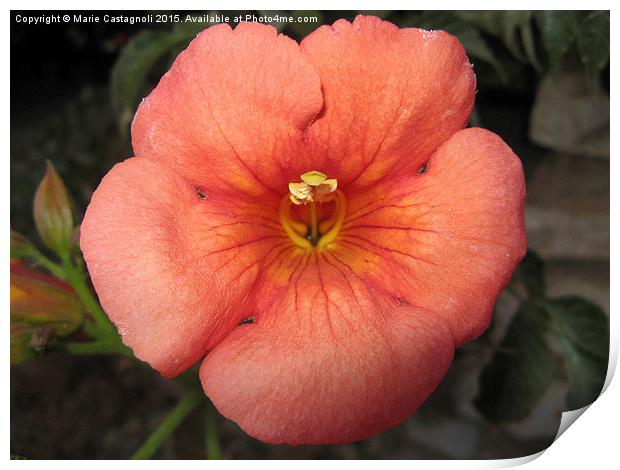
{"type": "Point", "coordinates": [313, 178]}
{"type": "Point", "coordinates": [315, 187]}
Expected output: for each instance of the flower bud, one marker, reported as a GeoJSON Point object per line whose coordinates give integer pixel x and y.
{"type": "Point", "coordinates": [53, 213]}
{"type": "Point", "coordinates": [41, 306]}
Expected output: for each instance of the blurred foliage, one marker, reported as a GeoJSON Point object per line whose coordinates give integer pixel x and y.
{"type": "Point", "coordinates": [531, 273]}
{"type": "Point", "coordinates": [509, 41]}
{"type": "Point", "coordinates": [21, 247]}
{"type": "Point", "coordinates": [581, 330]}
{"type": "Point", "coordinates": [521, 371]}
{"type": "Point", "coordinates": [46, 307]}
{"type": "Point", "coordinates": [539, 39]}
{"type": "Point", "coordinates": [524, 364]}
{"type": "Point", "coordinates": [593, 43]}
{"type": "Point", "coordinates": [131, 70]}
{"type": "Point", "coordinates": [80, 136]}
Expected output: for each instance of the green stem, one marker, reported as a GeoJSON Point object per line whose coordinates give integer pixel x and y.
{"type": "Point", "coordinates": [77, 280]}
{"type": "Point", "coordinates": [214, 451]}
{"type": "Point", "coordinates": [168, 425]}
{"type": "Point", "coordinates": [47, 263]}
{"type": "Point", "coordinates": [98, 347]}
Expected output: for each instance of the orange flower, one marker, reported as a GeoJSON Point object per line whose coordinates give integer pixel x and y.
{"type": "Point", "coordinates": [314, 219]}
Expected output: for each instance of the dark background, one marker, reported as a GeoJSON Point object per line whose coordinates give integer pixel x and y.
{"type": "Point", "coordinates": [104, 407]}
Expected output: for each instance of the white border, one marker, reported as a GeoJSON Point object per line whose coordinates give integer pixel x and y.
{"type": "Point", "coordinates": [591, 442]}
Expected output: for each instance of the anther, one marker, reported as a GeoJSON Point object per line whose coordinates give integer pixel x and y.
{"type": "Point", "coordinates": [314, 187]}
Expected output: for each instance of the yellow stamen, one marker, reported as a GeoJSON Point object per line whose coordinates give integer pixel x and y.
{"type": "Point", "coordinates": [326, 224]}
{"type": "Point", "coordinates": [300, 191]}
{"type": "Point", "coordinates": [328, 186]}
{"type": "Point", "coordinates": [287, 224]}
{"type": "Point", "coordinates": [314, 188]}
{"type": "Point", "coordinates": [340, 211]}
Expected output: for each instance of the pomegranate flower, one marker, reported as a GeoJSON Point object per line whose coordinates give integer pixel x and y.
{"type": "Point", "coordinates": [313, 218]}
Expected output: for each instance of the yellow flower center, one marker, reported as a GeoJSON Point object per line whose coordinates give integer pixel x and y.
{"type": "Point", "coordinates": [314, 188]}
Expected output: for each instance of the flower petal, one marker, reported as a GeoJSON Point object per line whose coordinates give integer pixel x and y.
{"type": "Point", "coordinates": [392, 96]}
{"type": "Point", "coordinates": [173, 267]}
{"type": "Point", "coordinates": [329, 359]}
{"type": "Point", "coordinates": [447, 239]}
{"type": "Point", "coordinates": [231, 111]}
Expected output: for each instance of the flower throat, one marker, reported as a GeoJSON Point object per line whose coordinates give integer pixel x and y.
{"type": "Point", "coordinates": [300, 207]}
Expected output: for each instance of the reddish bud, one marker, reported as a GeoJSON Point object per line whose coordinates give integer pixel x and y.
{"type": "Point", "coordinates": [39, 303]}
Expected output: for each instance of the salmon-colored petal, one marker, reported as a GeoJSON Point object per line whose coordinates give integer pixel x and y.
{"type": "Point", "coordinates": [231, 111]}
{"type": "Point", "coordinates": [447, 239]}
{"type": "Point", "coordinates": [173, 267]}
{"type": "Point", "coordinates": [329, 358]}
{"type": "Point", "coordinates": [392, 96]}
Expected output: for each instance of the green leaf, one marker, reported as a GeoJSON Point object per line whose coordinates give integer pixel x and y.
{"type": "Point", "coordinates": [430, 19]}
{"type": "Point", "coordinates": [529, 45]}
{"type": "Point", "coordinates": [476, 46]}
{"type": "Point", "coordinates": [558, 29]}
{"type": "Point", "coordinates": [514, 28]}
{"type": "Point", "coordinates": [131, 69]}
{"type": "Point", "coordinates": [21, 247]}
{"type": "Point", "coordinates": [582, 331]}
{"type": "Point", "coordinates": [490, 21]}
{"type": "Point", "coordinates": [520, 371]}
{"type": "Point", "coordinates": [593, 44]}
{"type": "Point", "coordinates": [518, 36]}
{"type": "Point", "coordinates": [586, 375]}
{"type": "Point", "coordinates": [531, 271]}
{"type": "Point", "coordinates": [513, 22]}
{"type": "Point", "coordinates": [53, 213]}
{"type": "Point", "coordinates": [582, 322]}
